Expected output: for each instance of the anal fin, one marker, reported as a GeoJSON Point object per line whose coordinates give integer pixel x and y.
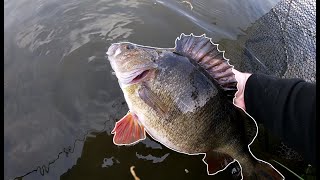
{"type": "Point", "coordinates": [216, 161]}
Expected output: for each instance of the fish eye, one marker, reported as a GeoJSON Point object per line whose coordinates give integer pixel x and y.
{"type": "Point", "coordinates": [129, 46]}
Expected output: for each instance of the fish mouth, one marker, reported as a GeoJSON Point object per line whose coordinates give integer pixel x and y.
{"type": "Point", "coordinates": [114, 50]}
{"type": "Point", "coordinates": [137, 74]}
{"type": "Point", "coordinates": [140, 76]}
{"type": "Point", "coordinates": [134, 77]}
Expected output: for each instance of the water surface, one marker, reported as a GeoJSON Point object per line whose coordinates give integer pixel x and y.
{"type": "Point", "coordinates": [61, 100]}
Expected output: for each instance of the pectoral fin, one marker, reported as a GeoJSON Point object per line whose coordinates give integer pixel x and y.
{"type": "Point", "coordinates": [128, 130]}
{"type": "Point", "coordinates": [216, 161]}
{"type": "Point", "coordinates": [153, 101]}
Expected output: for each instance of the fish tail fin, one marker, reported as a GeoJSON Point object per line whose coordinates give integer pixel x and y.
{"type": "Point", "coordinates": [260, 170]}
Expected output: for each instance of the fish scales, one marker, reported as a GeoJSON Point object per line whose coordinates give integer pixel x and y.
{"type": "Point", "coordinates": [184, 103]}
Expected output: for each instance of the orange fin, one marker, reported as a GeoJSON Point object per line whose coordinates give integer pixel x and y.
{"type": "Point", "coordinates": [128, 130]}
{"type": "Point", "coordinates": [216, 161]}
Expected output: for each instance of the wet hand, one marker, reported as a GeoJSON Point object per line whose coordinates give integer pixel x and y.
{"type": "Point", "coordinates": [239, 96]}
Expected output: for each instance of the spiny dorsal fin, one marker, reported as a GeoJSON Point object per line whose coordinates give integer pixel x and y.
{"type": "Point", "coordinates": [209, 57]}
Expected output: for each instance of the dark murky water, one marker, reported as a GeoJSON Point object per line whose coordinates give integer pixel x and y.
{"type": "Point", "coordinates": [61, 100]}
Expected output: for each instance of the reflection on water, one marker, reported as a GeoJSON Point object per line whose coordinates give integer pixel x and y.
{"type": "Point", "coordinates": [61, 100]}
{"type": "Point", "coordinates": [149, 163]}
{"type": "Point", "coordinates": [223, 20]}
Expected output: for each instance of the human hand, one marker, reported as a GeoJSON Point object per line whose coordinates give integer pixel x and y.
{"type": "Point", "coordinates": [239, 96]}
